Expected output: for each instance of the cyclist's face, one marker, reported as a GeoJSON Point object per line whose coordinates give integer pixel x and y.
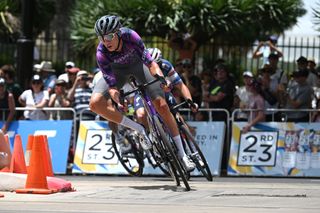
{"type": "Point", "coordinates": [110, 41]}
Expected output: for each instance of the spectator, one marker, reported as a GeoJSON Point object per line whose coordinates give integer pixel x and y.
{"type": "Point", "coordinates": [312, 69]}
{"type": "Point", "coordinates": [80, 95]}
{"type": "Point", "coordinates": [206, 78]}
{"type": "Point", "coordinates": [242, 96]}
{"type": "Point", "coordinates": [64, 76]}
{"type": "Point", "coordinates": [312, 65]}
{"type": "Point", "coordinates": [11, 84]}
{"type": "Point", "coordinates": [299, 96]}
{"type": "Point", "coordinates": [302, 63]}
{"type": "Point", "coordinates": [184, 44]}
{"type": "Point", "coordinates": [6, 104]}
{"type": "Point", "coordinates": [265, 48]}
{"type": "Point", "coordinates": [316, 102]}
{"type": "Point", "coordinates": [192, 81]}
{"type": "Point", "coordinates": [70, 77]}
{"type": "Point", "coordinates": [221, 93]}
{"type": "Point", "coordinates": [269, 92]}
{"type": "Point", "coordinates": [277, 75]}
{"type": "Point", "coordinates": [59, 99]}
{"type": "Point", "coordinates": [35, 97]}
{"type": "Point", "coordinates": [256, 105]}
{"type": "Point", "coordinates": [47, 75]}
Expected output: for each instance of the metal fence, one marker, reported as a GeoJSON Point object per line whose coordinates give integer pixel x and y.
{"type": "Point", "coordinates": [238, 56]}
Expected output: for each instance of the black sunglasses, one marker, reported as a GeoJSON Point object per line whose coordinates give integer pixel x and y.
{"type": "Point", "coordinates": [36, 82]}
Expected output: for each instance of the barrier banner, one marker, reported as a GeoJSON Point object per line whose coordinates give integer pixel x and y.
{"type": "Point", "coordinates": [58, 133]}
{"type": "Point", "coordinates": [275, 149]}
{"type": "Point", "coordinates": [95, 155]}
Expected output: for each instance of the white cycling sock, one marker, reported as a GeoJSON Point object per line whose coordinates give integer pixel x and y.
{"type": "Point", "coordinates": [178, 142]}
{"type": "Point", "coordinates": [116, 135]}
{"type": "Point", "coordinates": [132, 124]}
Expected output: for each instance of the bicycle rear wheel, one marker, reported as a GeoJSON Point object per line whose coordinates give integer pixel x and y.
{"type": "Point", "coordinates": [195, 152]}
{"type": "Point", "coordinates": [132, 162]}
{"type": "Point", "coordinates": [175, 164]}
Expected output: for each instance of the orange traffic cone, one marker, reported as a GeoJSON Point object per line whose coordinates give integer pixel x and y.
{"type": "Point", "coordinates": [5, 153]}
{"type": "Point", "coordinates": [47, 158]}
{"type": "Point", "coordinates": [36, 180]}
{"type": "Point", "coordinates": [18, 164]}
{"type": "Point", "coordinates": [28, 150]}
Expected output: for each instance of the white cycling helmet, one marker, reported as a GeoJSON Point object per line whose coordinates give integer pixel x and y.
{"type": "Point", "coordinates": [155, 54]}
{"type": "Point", "coordinates": [107, 24]}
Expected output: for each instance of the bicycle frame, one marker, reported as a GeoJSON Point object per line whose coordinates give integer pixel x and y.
{"type": "Point", "coordinates": [155, 124]}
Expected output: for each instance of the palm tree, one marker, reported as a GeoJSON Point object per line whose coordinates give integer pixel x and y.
{"type": "Point", "coordinates": [316, 15]}
{"type": "Point", "coordinates": [230, 21]}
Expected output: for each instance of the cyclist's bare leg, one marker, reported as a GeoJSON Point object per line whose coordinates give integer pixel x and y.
{"type": "Point", "coordinates": [105, 108]}
{"type": "Point", "coordinates": [141, 116]}
{"type": "Point", "coordinates": [163, 109]}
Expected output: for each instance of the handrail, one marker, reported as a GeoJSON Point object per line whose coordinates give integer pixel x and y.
{"type": "Point", "coordinates": [273, 110]}
{"type": "Point", "coordinates": [56, 109]}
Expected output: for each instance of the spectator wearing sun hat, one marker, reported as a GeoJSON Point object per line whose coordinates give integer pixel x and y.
{"type": "Point", "coordinates": [47, 73]}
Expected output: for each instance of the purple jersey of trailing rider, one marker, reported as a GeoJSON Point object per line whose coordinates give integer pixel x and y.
{"type": "Point", "coordinates": [132, 48]}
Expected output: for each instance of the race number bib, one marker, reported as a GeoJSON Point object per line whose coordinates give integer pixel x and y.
{"type": "Point", "coordinates": [258, 148]}
{"type": "Point", "coordinates": [98, 148]}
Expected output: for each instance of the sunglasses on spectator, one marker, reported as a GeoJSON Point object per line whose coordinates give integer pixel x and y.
{"type": "Point", "coordinates": [36, 82]}
{"type": "Point", "coordinates": [69, 66]}
{"type": "Point", "coordinates": [107, 37]}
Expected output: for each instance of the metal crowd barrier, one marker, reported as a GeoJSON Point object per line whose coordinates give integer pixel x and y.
{"type": "Point", "coordinates": [250, 111]}
{"type": "Point", "coordinates": [58, 109]}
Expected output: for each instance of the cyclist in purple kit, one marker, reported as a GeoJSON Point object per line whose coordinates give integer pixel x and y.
{"type": "Point", "coordinates": [120, 54]}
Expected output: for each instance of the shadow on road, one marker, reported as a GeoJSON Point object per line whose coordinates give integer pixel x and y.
{"type": "Point", "coordinates": [160, 187]}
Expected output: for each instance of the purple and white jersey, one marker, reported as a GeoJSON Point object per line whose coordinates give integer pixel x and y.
{"type": "Point", "coordinates": [132, 48]}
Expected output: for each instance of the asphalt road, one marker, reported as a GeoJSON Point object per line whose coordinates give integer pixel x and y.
{"type": "Point", "coordinates": [159, 194]}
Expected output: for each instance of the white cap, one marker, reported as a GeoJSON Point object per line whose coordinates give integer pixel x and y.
{"type": "Point", "coordinates": [64, 77]}
{"type": "Point", "coordinates": [70, 63]}
{"type": "Point", "coordinates": [248, 73]}
{"type": "Point", "coordinates": [82, 72]}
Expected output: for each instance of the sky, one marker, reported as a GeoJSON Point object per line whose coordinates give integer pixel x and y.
{"type": "Point", "coordinates": [305, 27]}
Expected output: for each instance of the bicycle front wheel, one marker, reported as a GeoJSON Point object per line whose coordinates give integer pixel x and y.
{"type": "Point", "coordinates": [171, 154]}
{"type": "Point", "coordinates": [195, 152]}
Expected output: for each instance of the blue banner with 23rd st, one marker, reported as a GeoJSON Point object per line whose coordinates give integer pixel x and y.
{"type": "Point", "coordinates": [58, 133]}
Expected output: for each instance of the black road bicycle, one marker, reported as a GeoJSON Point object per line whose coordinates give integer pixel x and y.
{"type": "Point", "coordinates": [163, 150]}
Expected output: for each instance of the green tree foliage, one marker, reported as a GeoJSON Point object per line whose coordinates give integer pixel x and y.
{"type": "Point", "coordinates": [232, 21]}
{"type": "Point", "coordinates": [9, 23]}
{"type": "Point", "coordinates": [10, 15]}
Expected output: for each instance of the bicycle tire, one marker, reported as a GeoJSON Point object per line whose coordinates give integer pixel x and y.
{"type": "Point", "coordinates": [205, 170]}
{"type": "Point", "coordinates": [159, 164]}
{"type": "Point", "coordinates": [131, 162]}
{"type": "Point", "coordinates": [175, 163]}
